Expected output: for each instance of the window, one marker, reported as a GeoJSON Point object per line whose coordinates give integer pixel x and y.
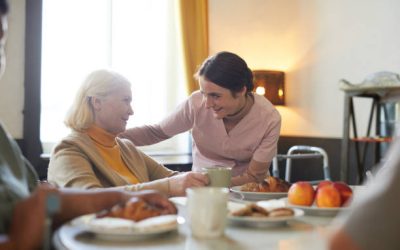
{"type": "Point", "coordinates": [136, 38]}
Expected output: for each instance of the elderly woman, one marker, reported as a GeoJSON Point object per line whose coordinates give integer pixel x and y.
{"type": "Point", "coordinates": [23, 200]}
{"type": "Point", "coordinates": [93, 157]}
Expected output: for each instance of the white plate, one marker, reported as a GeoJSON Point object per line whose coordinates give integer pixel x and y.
{"type": "Point", "coordinates": [121, 229]}
{"type": "Point", "coordinates": [181, 201]}
{"type": "Point", "coordinates": [264, 221]}
{"type": "Point", "coordinates": [256, 196]}
{"type": "Point", "coordinates": [317, 211]}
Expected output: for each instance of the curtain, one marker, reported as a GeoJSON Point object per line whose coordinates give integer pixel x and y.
{"type": "Point", "coordinates": [194, 29]}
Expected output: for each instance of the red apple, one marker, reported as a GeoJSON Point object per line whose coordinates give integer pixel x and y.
{"type": "Point", "coordinates": [301, 193]}
{"type": "Point", "coordinates": [345, 191]}
{"type": "Point", "coordinates": [328, 196]}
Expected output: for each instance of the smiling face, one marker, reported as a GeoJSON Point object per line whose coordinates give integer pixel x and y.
{"type": "Point", "coordinates": [220, 99]}
{"type": "Point", "coordinates": [112, 112]}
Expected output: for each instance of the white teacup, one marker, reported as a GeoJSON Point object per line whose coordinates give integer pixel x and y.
{"type": "Point", "coordinates": [219, 176]}
{"type": "Point", "coordinates": [207, 210]}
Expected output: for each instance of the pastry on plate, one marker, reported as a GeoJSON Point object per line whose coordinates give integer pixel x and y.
{"type": "Point", "coordinates": [135, 209]}
{"type": "Point", "coordinates": [269, 184]}
{"type": "Point", "coordinates": [254, 210]}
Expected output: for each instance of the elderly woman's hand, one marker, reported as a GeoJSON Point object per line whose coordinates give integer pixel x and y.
{"type": "Point", "coordinates": [179, 183]}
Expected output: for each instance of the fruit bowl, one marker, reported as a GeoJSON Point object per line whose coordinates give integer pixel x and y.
{"type": "Point", "coordinates": [317, 211]}
{"type": "Point", "coordinates": [327, 198]}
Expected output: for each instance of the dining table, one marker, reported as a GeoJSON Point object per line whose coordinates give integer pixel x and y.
{"type": "Point", "coordinates": [302, 232]}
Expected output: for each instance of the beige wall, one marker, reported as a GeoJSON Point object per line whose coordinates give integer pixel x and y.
{"type": "Point", "coordinates": [316, 42]}
{"type": "Point", "coordinates": [12, 83]}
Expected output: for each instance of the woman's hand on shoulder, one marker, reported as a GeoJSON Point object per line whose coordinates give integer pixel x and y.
{"type": "Point", "coordinates": [180, 182]}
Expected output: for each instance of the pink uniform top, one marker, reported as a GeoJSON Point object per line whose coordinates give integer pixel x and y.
{"type": "Point", "coordinates": [254, 137]}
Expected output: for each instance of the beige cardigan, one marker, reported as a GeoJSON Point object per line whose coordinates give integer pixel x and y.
{"type": "Point", "coordinates": [75, 162]}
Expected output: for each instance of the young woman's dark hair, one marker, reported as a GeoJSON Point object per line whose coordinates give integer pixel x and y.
{"type": "Point", "coordinates": [227, 70]}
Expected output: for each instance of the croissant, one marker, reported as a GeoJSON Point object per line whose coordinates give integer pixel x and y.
{"type": "Point", "coordinates": [269, 184]}
{"type": "Point", "coordinates": [277, 185]}
{"type": "Point", "coordinates": [264, 186]}
{"type": "Point", "coordinates": [250, 187]}
{"type": "Point", "coordinates": [134, 209]}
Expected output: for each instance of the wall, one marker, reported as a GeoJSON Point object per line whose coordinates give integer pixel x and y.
{"type": "Point", "coordinates": [12, 83]}
{"type": "Point", "coordinates": [315, 42]}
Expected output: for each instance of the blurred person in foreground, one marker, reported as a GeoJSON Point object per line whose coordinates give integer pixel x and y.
{"type": "Point", "coordinates": [92, 156]}
{"type": "Point", "coordinates": [374, 220]}
{"type": "Point", "coordinates": [230, 125]}
{"type": "Point", "coordinates": [22, 200]}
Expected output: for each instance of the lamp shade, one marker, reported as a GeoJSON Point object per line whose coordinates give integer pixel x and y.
{"type": "Point", "coordinates": [270, 83]}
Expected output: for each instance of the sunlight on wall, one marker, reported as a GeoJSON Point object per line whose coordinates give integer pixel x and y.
{"type": "Point", "coordinates": [294, 123]}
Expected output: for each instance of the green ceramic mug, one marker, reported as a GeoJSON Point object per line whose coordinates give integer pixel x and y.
{"type": "Point", "coordinates": [219, 176]}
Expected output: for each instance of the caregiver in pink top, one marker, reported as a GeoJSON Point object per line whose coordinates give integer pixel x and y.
{"type": "Point", "coordinates": [230, 125]}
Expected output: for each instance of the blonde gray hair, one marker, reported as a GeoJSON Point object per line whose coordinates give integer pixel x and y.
{"type": "Point", "coordinates": [99, 84]}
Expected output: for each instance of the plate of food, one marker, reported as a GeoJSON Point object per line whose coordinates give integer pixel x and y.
{"type": "Point", "coordinates": [269, 188]}
{"type": "Point", "coordinates": [110, 228]}
{"type": "Point", "coordinates": [258, 215]}
{"type": "Point", "coordinates": [136, 219]}
{"type": "Point", "coordinates": [328, 198]}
